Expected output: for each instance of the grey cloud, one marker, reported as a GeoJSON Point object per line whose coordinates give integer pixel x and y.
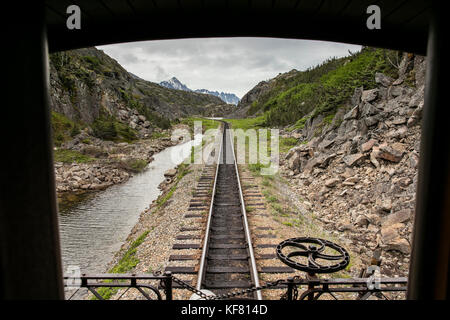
{"type": "Point", "coordinates": [130, 58]}
{"type": "Point", "coordinates": [223, 64]}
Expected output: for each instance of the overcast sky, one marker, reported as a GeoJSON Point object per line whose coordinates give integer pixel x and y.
{"type": "Point", "coordinates": [224, 64]}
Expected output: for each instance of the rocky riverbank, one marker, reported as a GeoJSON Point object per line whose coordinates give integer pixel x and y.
{"type": "Point", "coordinates": [89, 163]}
{"type": "Point", "coordinates": [358, 173]}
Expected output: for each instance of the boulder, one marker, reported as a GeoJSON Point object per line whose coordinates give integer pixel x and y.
{"type": "Point", "coordinates": [399, 120]}
{"type": "Point", "coordinates": [325, 144]}
{"type": "Point", "coordinates": [368, 110]}
{"type": "Point", "coordinates": [353, 159]}
{"type": "Point", "coordinates": [416, 116]}
{"type": "Point", "coordinates": [330, 183]}
{"type": "Point", "coordinates": [352, 180]}
{"type": "Point", "coordinates": [385, 205]}
{"type": "Point", "coordinates": [383, 79]}
{"type": "Point", "coordinates": [398, 91]}
{"type": "Point", "coordinates": [393, 153]}
{"type": "Point", "coordinates": [132, 125]}
{"type": "Point", "coordinates": [352, 114]}
{"type": "Point", "coordinates": [389, 233]}
{"type": "Point", "coordinates": [372, 120]}
{"type": "Point", "coordinates": [297, 156]}
{"type": "Point", "coordinates": [374, 219]}
{"type": "Point", "coordinates": [356, 98]}
{"type": "Point", "coordinates": [345, 227]}
{"type": "Point", "coordinates": [323, 160]}
{"type": "Point", "coordinates": [398, 133]}
{"type": "Point", "coordinates": [367, 146]}
{"type": "Point", "coordinates": [413, 160]}
{"type": "Point", "coordinates": [361, 221]}
{"type": "Point", "coordinates": [369, 95]}
{"type": "Point", "coordinates": [397, 217]}
{"type": "Point", "coordinates": [398, 244]}
{"type": "Point", "coordinates": [294, 162]}
{"type": "Point", "coordinates": [170, 173]}
{"type": "Point", "coordinates": [416, 99]}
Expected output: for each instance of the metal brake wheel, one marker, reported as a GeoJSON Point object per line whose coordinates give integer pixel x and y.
{"type": "Point", "coordinates": [312, 249]}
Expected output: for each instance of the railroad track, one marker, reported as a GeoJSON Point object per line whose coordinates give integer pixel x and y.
{"type": "Point", "coordinates": [227, 261]}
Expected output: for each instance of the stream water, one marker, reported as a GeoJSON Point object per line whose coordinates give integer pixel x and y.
{"type": "Point", "coordinates": [93, 229]}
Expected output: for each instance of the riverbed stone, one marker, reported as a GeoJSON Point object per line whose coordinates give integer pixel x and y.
{"type": "Point", "coordinates": [170, 173]}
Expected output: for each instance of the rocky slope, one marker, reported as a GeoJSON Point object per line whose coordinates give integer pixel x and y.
{"type": "Point", "coordinates": [357, 171]}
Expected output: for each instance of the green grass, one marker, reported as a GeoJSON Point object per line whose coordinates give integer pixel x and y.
{"type": "Point", "coordinates": [300, 124]}
{"type": "Point", "coordinates": [70, 156]}
{"type": "Point", "coordinates": [135, 165]}
{"type": "Point", "coordinates": [256, 167]}
{"type": "Point", "coordinates": [287, 143]}
{"type": "Point", "coordinates": [127, 263]}
{"type": "Point", "coordinates": [266, 182]}
{"type": "Point", "coordinates": [157, 135]}
{"type": "Point", "coordinates": [206, 123]}
{"type": "Point", "coordinates": [108, 128]}
{"type": "Point", "coordinates": [277, 207]}
{"type": "Point", "coordinates": [182, 171]}
{"type": "Point", "coordinates": [329, 119]}
{"type": "Point", "coordinates": [247, 123]}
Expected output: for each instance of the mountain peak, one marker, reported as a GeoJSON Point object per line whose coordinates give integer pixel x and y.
{"type": "Point", "coordinates": [176, 84]}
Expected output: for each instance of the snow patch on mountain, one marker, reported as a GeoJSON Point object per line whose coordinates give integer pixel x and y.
{"type": "Point", "coordinates": [176, 84]}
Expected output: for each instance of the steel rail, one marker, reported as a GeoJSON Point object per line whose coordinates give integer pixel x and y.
{"type": "Point", "coordinates": [252, 262]}
{"type": "Point", "coordinates": [201, 270]}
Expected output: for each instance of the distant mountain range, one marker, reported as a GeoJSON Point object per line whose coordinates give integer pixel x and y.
{"type": "Point", "coordinates": [174, 83]}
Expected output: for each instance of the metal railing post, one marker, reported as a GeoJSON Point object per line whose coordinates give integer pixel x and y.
{"type": "Point", "coordinates": [168, 285]}
{"type": "Point", "coordinates": [290, 289]}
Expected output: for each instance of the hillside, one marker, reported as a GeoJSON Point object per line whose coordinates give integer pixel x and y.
{"type": "Point", "coordinates": [324, 89]}
{"type": "Point", "coordinates": [90, 89]}
{"type": "Point", "coordinates": [357, 169]}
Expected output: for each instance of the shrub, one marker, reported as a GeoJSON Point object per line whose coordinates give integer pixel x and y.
{"type": "Point", "coordinates": [110, 129]}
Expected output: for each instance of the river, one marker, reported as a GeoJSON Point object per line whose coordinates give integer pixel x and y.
{"type": "Point", "coordinates": [94, 229]}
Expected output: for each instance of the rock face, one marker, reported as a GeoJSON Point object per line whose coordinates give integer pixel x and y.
{"type": "Point", "coordinates": [360, 174]}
